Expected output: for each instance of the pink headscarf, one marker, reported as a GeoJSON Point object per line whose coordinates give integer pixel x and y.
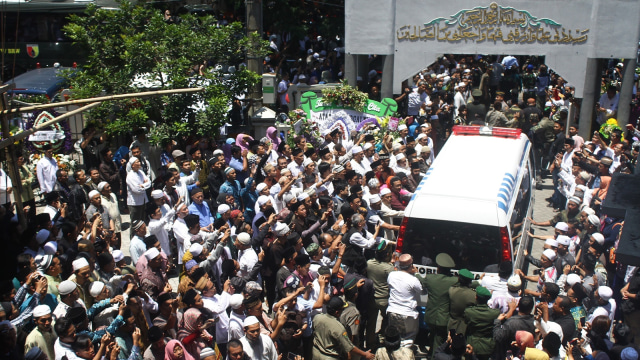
{"type": "Point", "coordinates": [188, 326]}
{"type": "Point", "coordinates": [168, 351]}
{"type": "Point", "coordinates": [244, 144]}
{"type": "Point", "coordinates": [272, 134]}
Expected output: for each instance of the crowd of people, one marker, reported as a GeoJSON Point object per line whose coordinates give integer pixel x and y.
{"type": "Point", "coordinates": [286, 250]}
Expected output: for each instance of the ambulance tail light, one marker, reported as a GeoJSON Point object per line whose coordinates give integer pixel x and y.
{"type": "Point", "coordinates": [505, 247]}
{"type": "Point", "coordinates": [487, 131]}
{"type": "Point", "coordinates": [403, 229]}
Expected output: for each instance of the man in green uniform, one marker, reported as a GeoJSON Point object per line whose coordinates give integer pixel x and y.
{"type": "Point", "coordinates": [436, 314]}
{"type": "Point", "coordinates": [330, 338]}
{"type": "Point", "coordinates": [462, 296]}
{"type": "Point", "coordinates": [479, 320]}
{"type": "Point", "coordinates": [378, 270]}
{"type": "Point", "coordinates": [350, 317]}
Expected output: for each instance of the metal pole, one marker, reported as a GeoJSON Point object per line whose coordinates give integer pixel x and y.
{"type": "Point", "coordinates": [254, 63]}
{"type": "Point", "coordinates": [626, 91]}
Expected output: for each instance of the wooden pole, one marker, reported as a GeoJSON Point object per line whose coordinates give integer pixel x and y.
{"type": "Point", "coordinates": [12, 162]}
{"type": "Point", "coordinates": [10, 140]}
{"type": "Point", "coordinates": [101, 98]}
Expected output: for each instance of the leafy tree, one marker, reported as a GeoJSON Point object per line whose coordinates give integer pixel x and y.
{"type": "Point", "coordinates": [136, 43]}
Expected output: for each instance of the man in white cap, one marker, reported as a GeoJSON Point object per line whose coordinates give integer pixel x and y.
{"type": "Point", "coordinates": [247, 257]}
{"type": "Point", "coordinates": [460, 98]}
{"type": "Point", "coordinates": [137, 246]}
{"type": "Point", "coordinates": [81, 276]}
{"type": "Point", "coordinates": [404, 291]}
{"type": "Point", "coordinates": [564, 257]}
{"type": "Point", "coordinates": [154, 277]}
{"type": "Point", "coordinates": [69, 298]}
{"type": "Point", "coordinates": [257, 346]}
{"type": "Point", "coordinates": [385, 207]}
{"type": "Point", "coordinates": [571, 212]}
{"type": "Point", "coordinates": [374, 216]}
{"type": "Point", "coordinates": [42, 336]}
{"type": "Point", "coordinates": [265, 206]}
{"type": "Point", "coordinates": [605, 304]}
{"type": "Point", "coordinates": [96, 207]}
{"type": "Point", "coordinates": [160, 223]}
{"type": "Point", "coordinates": [548, 272]}
{"type": "Point", "coordinates": [236, 318]}
{"type": "Point", "coordinates": [358, 163]}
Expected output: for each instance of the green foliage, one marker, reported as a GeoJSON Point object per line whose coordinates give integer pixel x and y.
{"type": "Point", "coordinates": [345, 95]}
{"type": "Point", "coordinates": [135, 42]}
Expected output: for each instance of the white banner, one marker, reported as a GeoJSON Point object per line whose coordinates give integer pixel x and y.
{"type": "Point", "coordinates": [47, 135]}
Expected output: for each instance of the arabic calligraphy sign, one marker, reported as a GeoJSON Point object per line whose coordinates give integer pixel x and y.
{"type": "Point", "coordinates": [493, 23]}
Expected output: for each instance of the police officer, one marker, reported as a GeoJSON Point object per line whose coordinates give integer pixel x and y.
{"type": "Point", "coordinates": [330, 338]}
{"type": "Point", "coordinates": [462, 296]}
{"type": "Point", "coordinates": [437, 311]}
{"type": "Point", "coordinates": [479, 320]}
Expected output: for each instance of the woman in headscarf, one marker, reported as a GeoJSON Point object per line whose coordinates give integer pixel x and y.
{"type": "Point", "coordinates": [273, 135]}
{"type": "Point", "coordinates": [174, 350]}
{"type": "Point", "coordinates": [192, 330]}
{"type": "Point", "coordinates": [243, 141]}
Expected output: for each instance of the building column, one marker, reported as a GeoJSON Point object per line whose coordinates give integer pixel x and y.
{"type": "Point", "coordinates": [363, 69]}
{"type": "Point", "coordinates": [626, 92]}
{"type": "Point", "coordinates": [590, 96]}
{"type": "Point", "coordinates": [386, 90]}
{"type": "Point", "coordinates": [350, 69]}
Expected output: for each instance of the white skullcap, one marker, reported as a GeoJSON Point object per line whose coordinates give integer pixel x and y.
{"type": "Point", "coordinates": [422, 135]}
{"type": "Point", "coordinates": [157, 194]}
{"type": "Point", "coordinates": [396, 146]}
{"type": "Point", "coordinates": [402, 127]}
{"type": "Point", "coordinates": [101, 185]}
{"type": "Point", "coordinates": [573, 279]}
{"type": "Point", "coordinates": [425, 149]}
{"type": "Point", "coordinates": [96, 288]}
{"type": "Point", "coordinates": [261, 187]}
{"type": "Point", "coordinates": [244, 238]}
{"type": "Point", "coordinates": [324, 132]}
{"type": "Point", "coordinates": [287, 198]}
{"type": "Point", "coordinates": [385, 191]}
{"type": "Point", "coordinates": [117, 255]}
{"type": "Point", "coordinates": [562, 226]}
{"type": "Point", "coordinates": [223, 208]}
{"type": "Point", "coordinates": [303, 196]}
{"type": "Point", "coordinates": [356, 149]}
{"type": "Point", "coordinates": [41, 310]}
{"type": "Point", "coordinates": [374, 199]}
{"type": "Point", "coordinates": [551, 242]}
{"type": "Point", "coordinates": [152, 253]}
{"type": "Point", "coordinates": [132, 160]}
{"type": "Point", "coordinates": [373, 182]}
{"type": "Point", "coordinates": [51, 247]}
{"type": "Point", "coordinates": [66, 287]}
{"type": "Point", "coordinates": [400, 157]}
{"type": "Point", "coordinates": [195, 249]}
{"type": "Point", "coordinates": [584, 175]}
{"type": "Point", "coordinates": [550, 254]}
{"type": "Point", "coordinates": [367, 146]}
{"type": "Point", "coordinates": [588, 210]}
{"type": "Point", "coordinates": [605, 293]}
{"type": "Point", "coordinates": [599, 238]}
{"type": "Point", "coordinates": [93, 193]}
{"type": "Point", "coordinates": [594, 220]}
{"type": "Point", "coordinates": [563, 240]}
{"type": "Point", "coordinates": [281, 229]}
{"type": "Point", "coordinates": [79, 263]}
{"type": "Point", "coordinates": [263, 199]}
{"type": "Point", "coordinates": [514, 281]}
{"type": "Point", "coordinates": [250, 320]}
{"type": "Point", "coordinates": [461, 84]}
{"type": "Point", "coordinates": [307, 162]}
{"type": "Point", "coordinates": [553, 327]}
{"type": "Point", "coordinates": [218, 152]}
{"type": "Point", "coordinates": [321, 188]}
{"type": "Point", "coordinates": [42, 236]}
{"type": "Point", "coordinates": [235, 301]}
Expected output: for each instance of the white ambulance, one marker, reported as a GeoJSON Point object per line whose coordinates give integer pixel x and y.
{"type": "Point", "coordinates": [473, 203]}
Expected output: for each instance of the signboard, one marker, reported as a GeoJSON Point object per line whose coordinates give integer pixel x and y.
{"type": "Point", "coordinates": [47, 135]}
{"type": "Point", "coordinates": [329, 116]}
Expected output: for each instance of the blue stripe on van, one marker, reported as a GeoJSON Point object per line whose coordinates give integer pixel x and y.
{"type": "Point", "coordinates": [507, 184]}
{"type": "Point", "coordinates": [502, 206]}
{"type": "Point", "coordinates": [504, 197]}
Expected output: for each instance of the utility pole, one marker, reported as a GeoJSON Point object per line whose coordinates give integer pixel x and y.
{"type": "Point", "coordinates": [254, 62]}
{"type": "Point", "coordinates": [10, 156]}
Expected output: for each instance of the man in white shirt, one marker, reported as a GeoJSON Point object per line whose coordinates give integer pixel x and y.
{"type": "Point", "coordinates": [257, 346]}
{"type": "Point", "coordinates": [606, 305]}
{"type": "Point", "coordinates": [236, 317]}
{"type": "Point", "coordinates": [359, 164]}
{"type": "Point", "coordinates": [608, 105]}
{"type": "Point", "coordinates": [404, 290]}
{"type": "Point", "coordinates": [247, 257]}
{"type": "Point", "coordinates": [567, 158]}
{"type": "Point", "coordinates": [137, 246]}
{"type": "Point", "coordinates": [46, 170]}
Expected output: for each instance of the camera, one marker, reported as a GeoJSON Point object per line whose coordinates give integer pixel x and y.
{"type": "Point", "coordinates": [537, 271]}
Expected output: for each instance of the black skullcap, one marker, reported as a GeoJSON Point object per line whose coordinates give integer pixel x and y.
{"type": "Point", "coordinates": [52, 196]}
{"type": "Point", "coordinates": [238, 284]}
{"type": "Point", "coordinates": [165, 296]}
{"type": "Point", "coordinates": [293, 237]}
{"type": "Point", "coordinates": [76, 315]}
{"type": "Point", "coordinates": [302, 260]}
{"type": "Point", "coordinates": [250, 302]}
{"type": "Point", "coordinates": [43, 219]}
{"type": "Point", "coordinates": [288, 252]}
{"type": "Point", "coordinates": [195, 191]}
{"type": "Point", "coordinates": [193, 150]}
{"type": "Point", "coordinates": [190, 296]}
{"type": "Point", "coordinates": [197, 274]}
{"type": "Point", "coordinates": [369, 137]}
{"type": "Point", "coordinates": [155, 334]}
{"type": "Point", "coordinates": [324, 151]}
{"type": "Point", "coordinates": [150, 240]}
{"type": "Point", "coordinates": [294, 207]}
{"type": "Point", "coordinates": [375, 164]}
{"type": "Point", "coordinates": [310, 152]}
{"type": "Point", "coordinates": [191, 220]}
{"type": "Point", "coordinates": [415, 165]}
{"type": "Point", "coordinates": [335, 304]}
